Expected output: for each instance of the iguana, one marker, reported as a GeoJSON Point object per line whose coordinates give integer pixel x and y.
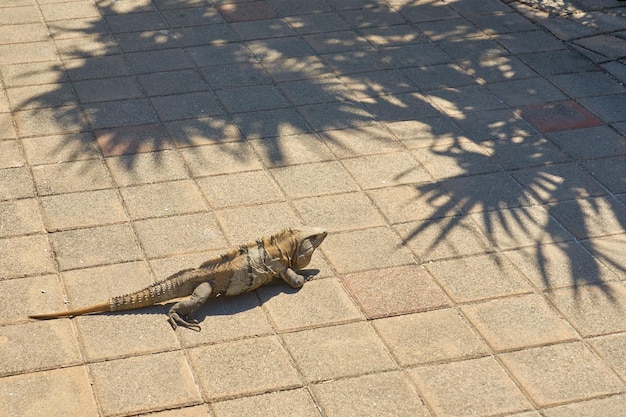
{"type": "Point", "coordinates": [237, 271]}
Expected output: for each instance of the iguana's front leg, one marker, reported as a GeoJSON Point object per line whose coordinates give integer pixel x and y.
{"type": "Point", "coordinates": [180, 312]}
{"type": "Point", "coordinates": [291, 277]}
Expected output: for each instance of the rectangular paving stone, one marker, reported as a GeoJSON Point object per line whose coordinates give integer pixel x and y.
{"type": "Point", "coordinates": [610, 108]}
{"type": "Point", "coordinates": [259, 220]}
{"type": "Point", "coordinates": [611, 405]}
{"type": "Point", "coordinates": [61, 392]}
{"type": "Point", "coordinates": [334, 352]}
{"type": "Point", "coordinates": [610, 250]}
{"type": "Point", "coordinates": [172, 82]}
{"type": "Point", "coordinates": [85, 46]}
{"type": "Point", "coordinates": [319, 302]}
{"type": "Point", "coordinates": [251, 187]}
{"type": "Point", "coordinates": [261, 29]}
{"type": "Point", "coordinates": [118, 88]}
{"type": "Point", "coordinates": [478, 277]}
{"type": "Point", "coordinates": [518, 322]}
{"type": "Point", "coordinates": [590, 143]}
{"type": "Point", "coordinates": [208, 130]}
{"type": "Point", "coordinates": [524, 152]}
{"type": "Point", "coordinates": [593, 309]}
{"type": "Point", "coordinates": [336, 115]}
{"type": "Point", "coordinates": [18, 53]}
{"type": "Point", "coordinates": [559, 373]}
{"type": "Point", "coordinates": [171, 383]}
{"type": "Point", "coordinates": [558, 116]}
{"type": "Point", "coordinates": [68, 177]}
{"type": "Point", "coordinates": [295, 402]}
{"type": "Point", "coordinates": [179, 234]}
{"type": "Point", "coordinates": [611, 172]}
{"type": "Point", "coordinates": [20, 217]}
{"type": "Point", "coordinates": [162, 199]}
{"type": "Point", "coordinates": [94, 246]}
{"type": "Point", "coordinates": [59, 148]}
{"type": "Point", "coordinates": [252, 98]}
{"type": "Point", "coordinates": [26, 255]}
{"type": "Point", "coordinates": [146, 168]}
{"type": "Point", "coordinates": [93, 208]}
{"type": "Point", "coordinates": [475, 386]}
{"type": "Point", "coordinates": [120, 113]}
{"type": "Point", "coordinates": [32, 73]}
{"type": "Point", "coordinates": [375, 171]}
{"type": "Point", "coordinates": [96, 67]}
{"type": "Point", "coordinates": [23, 33]}
{"type": "Point", "coordinates": [591, 217]}
{"type": "Point", "coordinates": [527, 91]}
{"type": "Point", "coordinates": [611, 348]}
{"type": "Point", "coordinates": [395, 291]}
{"type": "Point", "coordinates": [366, 249]}
{"type": "Point", "coordinates": [339, 211]}
{"type": "Point", "coordinates": [433, 336]}
{"type": "Point", "coordinates": [291, 150]}
{"type": "Point", "coordinates": [223, 158]}
{"type": "Point", "coordinates": [7, 130]}
{"type": "Point", "coordinates": [494, 125]}
{"type": "Point", "coordinates": [306, 24]}
{"type": "Point", "coordinates": [11, 154]}
{"type": "Point", "coordinates": [50, 121]}
{"type": "Point", "coordinates": [41, 96]}
{"type": "Point", "coordinates": [29, 296]}
{"type": "Point", "coordinates": [382, 394]}
{"type": "Point", "coordinates": [443, 238]}
{"type": "Point", "coordinates": [62, 11]}
{"type": "Point", "coordinates": [243, 368]}
{"type": "Point", "coordinates": [307, 180]}
{"type": "Point", "coordinates": [155, 61]}
{"type": "Point", "coordinates": [360, 141]}
{"type": "Point", "coordinates": [132, 139]}
{"type": "Point", "coordinates": [339, 41]}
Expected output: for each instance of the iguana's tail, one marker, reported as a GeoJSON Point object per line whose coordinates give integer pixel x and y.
{"type": "Point", "coordinates": [96, 308]}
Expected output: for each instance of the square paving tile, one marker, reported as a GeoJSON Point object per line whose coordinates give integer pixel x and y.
{"type": "Point", "coordinates": [15, 183]}
{"type": "Point", "coordinates": [318, 302]}
{"type": "Point", "coordinates": [146, 168]}
{"type": "Point", "coordinates": [371, 395]}
{"type": "Point", "coordinates": [94, 246]}
{"type": "Point", "coordinates": [91, 208]}
{"type": "Point", "coordinates": [51, 344]}
{"type": "Point", "coordinates": [593, 309]}
{"type": "Point", "coordinates": [171, 383]}
{"type": "Point", "coordinates": [375, 171]}
{"type": "Point", "coordinates": [394, 291]}
{"type": "Point", "coordinates": [333, 352]}
{"type": "Point", "coordinates": [593, 217]}
{"type": "Point", "coordinates": [57, 393]}
{"type": "Point", "coordinates": [309, 180]}
{"type": "Point", "coordinates": [471, 387]}
{"type": "Point", "coordinates": [243, 368]}
{"type": "Point", "coordinates": [559, 265]}
{"type": "Point", "coordinates": [559, 373]}
{"type": "Point", "coordinates": [557, 116]}
{"type": "Point", "coordinates": [179, 234]}
{"type": "Point", "coordinates": [29, 296]}
{"type": "Point", "coordinates": [432, 336]}
{"type": "Point", "coordinates": [443, 238]}
{"type": "Point", "coordinates": [26, 255]}
{"type": "Point", "coordinates": [478, 277]}
{"type": "Point", "coordinates": [339, 211]}
{"type": "Point", "coordinates": [20, 217]}
{"type": "Point", "coordinates": [296, 402]}
{"type": "Point", "coordinates": [362, 250]}
{"type": "Point", "coordinates": [241, 188]}
{"type": "Point", "coordinates": [518, 322]}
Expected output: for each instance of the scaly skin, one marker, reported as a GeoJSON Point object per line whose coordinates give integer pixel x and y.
{"type": "Point", "coordinates": [240, 270]}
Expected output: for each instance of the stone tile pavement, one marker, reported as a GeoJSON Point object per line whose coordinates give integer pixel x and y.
{"type": "Point", "coordinates": [468, 158]}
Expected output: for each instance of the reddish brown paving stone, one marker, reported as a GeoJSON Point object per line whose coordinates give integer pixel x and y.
{"type": "Point", "coordinates": [562, 115]}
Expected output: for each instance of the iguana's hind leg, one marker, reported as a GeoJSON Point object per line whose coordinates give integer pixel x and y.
{"type": "Point", "coordinates": [180, 312]}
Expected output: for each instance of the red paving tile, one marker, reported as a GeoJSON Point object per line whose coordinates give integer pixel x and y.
{"type": "Point", "coordinates": [554, 117]}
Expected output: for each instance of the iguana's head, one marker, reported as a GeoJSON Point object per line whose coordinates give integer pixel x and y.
{"type": "Point", "coordinates": [307, 240]}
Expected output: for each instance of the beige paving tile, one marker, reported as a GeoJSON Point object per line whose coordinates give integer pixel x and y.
{"type": "Point", "coordinates": [138, 332]}
{"type": "Point", "coordinates": [18, 53]}
{"type": "Point", "coordinates": [314, 179]}
{"type": "Point", "coordinates": [25, 296]}
{"type": "Point", "coordinates": [318, 302]}
{"type": "Point", "coordinates": [179, 234]}
{"type": "Point", "coordinates": [20, 217]}
{"type": "Point", "coordinates": [388, 394]}
{"type": "Point", "coordinates": [162, 199]}
{"type": "Point", "coordinates": [94, 285]}
{"type": "Point", "coordinates": [171, 383]}
{"type": "Point", "coordinates": [197, 411]}
{"type": "Point", "coordinates": [26, 255]}
{"type": "Point", "coordinates": [561, 373]}
{"type": "Point", "coordinates": [453, 161]}
{"type": "Point", "coordinates": [611, 349]}
{"type": "Point", "coordinates": [15, 183]}
{"type": "Point", "coordinates": [362, 250]}
{"type": "Point", "coordinates": [339, 212]}
{"type": "Point", "coordinates": [76, 10]}
{"type": "Point", "coordinates": [432, 336]}
{"type": "Point", "coordinates": [11, 154]}
{"type": "Point", "coordinates": [23, 33]}
{"type": "Point", "coordinates": [241, 188]}
{"type": "Point", "coordinates": [407, 203]}
{"type": "Point", "coordinates": [243, 368]}
{"type": "Point", "coordinates": [334, 352]}
{"type": "Point", "coordinates": [228, 318]}
{"type": "Point", "coordinates": [559, 265]}
{"type": "Point", "coordinates": [70, 177]}
{"type": "Point", "coordinates": [146, 168]}
{"type": "Point", "coordinates": [610, 406]}
{"type": "Point", "coordinates": [50, 121]}
{"type": "Point", "coordinates": [377, 171]}
{"type": "Point", "coordinates": [35, 72]}
{"type": "Point", "coordinates": [393, 291]}
{"type": "Point", "coordinates": [92, 208]}
{"type": "Point", "coordinates": [60, 148]}
{"type": "Point", "coordinates": [51, 344]}
{"type": "Point", "coordinates": [593, 217]}
{"type": "Point", "coordinates": [244, 224]}
{"type": "Point", "coordinates": [41, 96]}
{"type": "Point", "coordinates": [291, 150]}
{"type": "Point", "coordinates": [593, 310]}
{"type": "Point", "coordinates": [517, 322]}
{"type": "Point", "coordinates": [221, 159]}
{"type": "Point", "coordinates": [360, 141]}
{"type": "Point", "coordinates": [7, 130]}
{"type": "Point", "coordinates": [478, 277]}
{"type": "Point", "coordinates": [82, 248]}
{"type": "Point", "coordinates": [611, 250]}
{"type": "Point", "coordinates": [443, 238]}
{"type": "Point", "coordinates": [471, 387]}
{"type": "Point", "coordinates": [296, 402]}
{"type": "Point", "coordinates": [57, 393]}
{"type": "Point", "coordinates": [519, 227]}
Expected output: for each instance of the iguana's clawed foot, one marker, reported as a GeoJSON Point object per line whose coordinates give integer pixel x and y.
{"type": "Point", "coordinates": [175, 320]}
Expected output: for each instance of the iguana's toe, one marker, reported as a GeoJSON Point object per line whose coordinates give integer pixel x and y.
{"type": "Point", "coordinates": [175, 320]}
